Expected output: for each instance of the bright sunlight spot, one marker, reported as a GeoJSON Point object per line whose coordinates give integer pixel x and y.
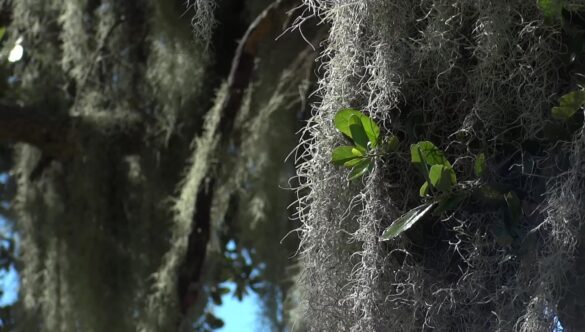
{"type": "Point", "coordinates": [16, 52]}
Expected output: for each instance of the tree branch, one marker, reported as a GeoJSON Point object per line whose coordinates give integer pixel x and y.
{"type": "Point", "coordinates": [62, 136]}
{"type": "Point", "coordinates": [48, 130]}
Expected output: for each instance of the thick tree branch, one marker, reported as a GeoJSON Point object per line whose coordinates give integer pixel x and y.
{"type": "Point", "coordinates": [63, 136]}
{"type": "Point", "coordinates": [49, 131]}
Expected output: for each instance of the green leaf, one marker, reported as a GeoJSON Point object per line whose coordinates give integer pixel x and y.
{"type": "Point", "coordinates": [406, 221]}
{"type": "Point", "coordinates": [551, 9]}
{"type": "Point", "coordinates": [358, 134]}
{"type": "Point", "coordinates": [441, 177]}
{"type": "Point", "coordinates": [425, 152]}
{"type": "Point", "coordinates": [353, 162]}
{"type": "Point", "coordinates": [417, 160]}
{"type": "Point", "coordinates": [344, 154]}
{"type": "Point", "coordinates": [514, 207]}
{"type": "Point", "coordinates": [569, 105]}
{"type": "Point", "coordinates": [2, 32]}
{"type": "Point", "coordinates": [450, 202]}
{"type": "Point", "coordinates": [372, 130]}
{"type": "Point", "coordinates": [360, 169]}
{"type": "Point", "coordinates": [424, 189]}
{"type": "Point", "coordinates": [563, 113]}
{"type": "Point", "coordinates": [480, 165]}
{"type": "Point", "coordinates": [341, 120]}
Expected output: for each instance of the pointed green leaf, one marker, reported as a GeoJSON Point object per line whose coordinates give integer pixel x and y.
{"type": "Point", "coordinates": [569, 105]}
{"type": "Point", "coordinates": [343, 154]}
{"type": "Point", "coordinates": [406, 221]}
{"type": "Point", "coordinates": [436, 174]}
{"type": "Point", "coordinates": [480, 165]}
{"type": "Point", "coordinates": [371, 129]}
{"type": "Point", "coordinates": [417, 159]}
{"type": "Point", "coordinates": [2, 32]}
{"type": "Point", "coordinates": [424, 189]}
{"type": "Point", "coordinates": [353, 162]}
{"type": "Point", "coordinates": [341, 120]}
{"type": "Point", "coordinates": [357, 152]}
{"type": "Point", "coordinates": [360, 169]}
{"type": "Point", "coordinates": [358, 134]}
{"type": "Point", "coordinates": [440, 177]}
{"type": "Point", "coordinates": [416, 156]}
{"type": "Point", "coordinates": [437, 179]}
{"type": "Point", "coordinates": [427, 152]}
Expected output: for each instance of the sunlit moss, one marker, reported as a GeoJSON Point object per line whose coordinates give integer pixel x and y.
{"type": "Point", "coordinates": [471, 68]}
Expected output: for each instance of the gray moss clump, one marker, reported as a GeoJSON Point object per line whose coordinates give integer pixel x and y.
{"type": "Point", "coordinates": [203, 20]}
{"type": "Point", "coordinates": [471, 76]}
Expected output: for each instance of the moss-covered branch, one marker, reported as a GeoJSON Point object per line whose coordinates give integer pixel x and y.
{"type": "Point", "coordinates": [48, 130]}
{"type": "Point", "coordinates": [60, 135]}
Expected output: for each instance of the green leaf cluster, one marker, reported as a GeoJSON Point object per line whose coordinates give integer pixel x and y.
{"type": "Point", "coordinates": [440, 178]}
{"type": "Point", "coordinates": [434, 166]}
{"type": "Point", "coordinates": [348, 121]}
{"type": "Point", "coordinates": [364, 133]}
{"type": "Point", "coordinates": [439, 174]}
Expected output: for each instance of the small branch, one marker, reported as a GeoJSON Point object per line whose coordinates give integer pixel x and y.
{"type": "Point", "coordinates": [242, 70]}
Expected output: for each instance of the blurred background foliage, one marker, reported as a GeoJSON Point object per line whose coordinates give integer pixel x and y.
{"type": "Point", "coordinates": [143, 165]}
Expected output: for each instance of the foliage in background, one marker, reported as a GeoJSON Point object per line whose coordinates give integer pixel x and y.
{"type": "Point", "coordinates": [153, 168]}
